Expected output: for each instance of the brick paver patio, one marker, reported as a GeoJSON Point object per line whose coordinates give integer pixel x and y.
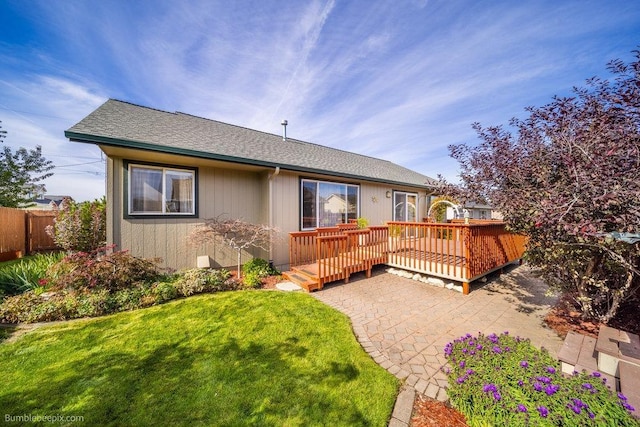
{"type": "Point", "coordinates": [405, 324]}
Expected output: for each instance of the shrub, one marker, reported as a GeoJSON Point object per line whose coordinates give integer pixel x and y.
{"type": "Point", "coordinates": [28, 273]}
{"type": "Point", "coordinates": [198, 280]}
{"type": "Point", "coordinates": [111, 271]}
{"type": "Point", "coordinates": [80, 226]}
{"type": "Point", "coordinates": [502, 380]}
{"type": "Point", "coordinates": [164, 291]}
{"type": "Point", "coordinates": [255, 270]}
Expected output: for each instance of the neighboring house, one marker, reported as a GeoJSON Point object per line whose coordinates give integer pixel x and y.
{"type": "Point", "coordinates": [167, 172]}
{"type": "Point", "coordinates": [48, 202]}
{"type": "Point", "coordinates": [482, 211]}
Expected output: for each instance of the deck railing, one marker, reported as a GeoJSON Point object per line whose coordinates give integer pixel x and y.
{"type": "Point", "coordinates": [459, 252]}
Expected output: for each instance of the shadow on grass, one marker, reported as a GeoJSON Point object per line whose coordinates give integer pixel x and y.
{"type": "Point", "coordinates": [220, 383]}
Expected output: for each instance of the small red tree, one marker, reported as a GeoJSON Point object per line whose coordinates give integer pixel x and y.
{"type": "Point", "coordinates": [569, 178]}
{"type": "Point", "coordinates": [235, 233]}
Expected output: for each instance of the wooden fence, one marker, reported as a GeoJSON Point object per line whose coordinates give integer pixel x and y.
{"type": "Point", "coordinates": [22, 232]}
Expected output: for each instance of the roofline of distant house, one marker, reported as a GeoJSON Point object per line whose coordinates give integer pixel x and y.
{"type": "Point", "coordinates": [145, 146]}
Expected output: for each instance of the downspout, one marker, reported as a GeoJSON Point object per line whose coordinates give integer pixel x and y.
{"type": "Point", "coordinates": [271, 178]}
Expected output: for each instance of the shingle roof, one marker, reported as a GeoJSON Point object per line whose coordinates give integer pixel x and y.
{"type": "Point", "coordinates": [119, 123]}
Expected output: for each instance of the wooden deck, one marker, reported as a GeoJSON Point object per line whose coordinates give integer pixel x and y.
{"type": "Point", "coordinates": [458, 252]}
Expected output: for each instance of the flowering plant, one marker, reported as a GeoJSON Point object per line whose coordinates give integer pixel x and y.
{"type": "Point", "coordinates": [504, 380]}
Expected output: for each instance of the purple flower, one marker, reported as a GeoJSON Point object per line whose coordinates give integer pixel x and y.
{"type": "Point", "coordinates": [479, 347]}
{"type": "Point", "coordinates": [544, 412]}
{"type": "Point", "coordinates": [472, 352]}
{"type": "Point", "coordinates": [497, 349]}
{"type": "Point", "coordinates": [497, 396]}
{"type": "Point", "coordinates": [622, 397]}
{"type": "Point", "coordinates": [596, 374]}
{"type": "Point", "coordinates": [628, 407]}
{"type": "Point", "coordinates": [464, 350]}
{"type": "Point", "coordinates": [505, 333]}
{"type": "Point", "coordinates": [522, 408]}
{"type": "Point", "coordinates": [461, 379]}
{"type": "Point", "coordinates": [545, 380]}
{"type": "Point", "coordinates": [489, 388]}
{"type": "Point", "coordinates": [462, 364]}
{"type": "Point", "coordinates": [506, 349]}
{"type": "Point", "coordinates": [520, 383]}
{"type": "Point", "coordinates": [551, 389]}
{"type": "Point", "coordinates": [493, 338]}
{"type": "Point", "coordinates": [537, 386]}
{"type": "Point", "coordinates": [587, 386]}
{"type": "Point", "coordinates": [592, 415]}
{"type": "Point", "coordinates": [470, 372]}
{"type": "Point", "coordinates": [524, 364]}
{"type": "Point", "coordinates": [551, 369]}
{"type": "Point", "coordinates": [575, 408]}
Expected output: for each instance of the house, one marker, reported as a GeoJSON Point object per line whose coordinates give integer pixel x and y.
{"type": "Point", "coordinates": [48, 202]}
{"type": "Point", "coordinates": [168, 172]}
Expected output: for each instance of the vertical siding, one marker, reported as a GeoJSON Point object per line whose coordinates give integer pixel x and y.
{"type": "Point", "coordinates": [221, 192]}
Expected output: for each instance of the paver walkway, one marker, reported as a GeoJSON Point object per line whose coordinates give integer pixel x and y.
{"type": "Point", "coordinates": [405, 324]}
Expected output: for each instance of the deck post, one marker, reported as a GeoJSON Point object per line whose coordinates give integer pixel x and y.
{"type": "Point", "coordinates": [465, 288]}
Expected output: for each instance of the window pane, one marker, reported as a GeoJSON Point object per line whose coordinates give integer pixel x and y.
{"type": "Point", "coordinates": [309, 193]}
{"type": "Point", "coordinates": [352, 197]}
{"type": "Point", "coordinates": [146, 190]}
{"type": "Point", "coordinates": [325, 204]}
{"type": "Point", "coordinates": [412, 211]}
{"type": "Point", "coordinates": [398, 207]}
{"type": "Point", "coordinates": [405, 206]}
{"type": "Point", "coordinates": [179, 191]}
{"type": "Point", "coordinates": [333, 204]}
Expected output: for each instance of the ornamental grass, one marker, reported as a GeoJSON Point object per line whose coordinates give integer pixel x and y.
{"type": "Point", "coordinates": [497, 380]}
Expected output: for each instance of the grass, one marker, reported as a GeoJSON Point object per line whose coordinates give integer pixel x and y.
{"type": "Point", "coordinates": [24, 274]}
{"type": "Point", "coordinates": [234, 358]}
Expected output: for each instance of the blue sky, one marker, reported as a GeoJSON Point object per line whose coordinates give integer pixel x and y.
{"type": "Point", "coordinates": [398, 79]}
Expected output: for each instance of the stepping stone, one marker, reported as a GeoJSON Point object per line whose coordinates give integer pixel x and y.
{"type": "Point", "coordinates": [288, 287]}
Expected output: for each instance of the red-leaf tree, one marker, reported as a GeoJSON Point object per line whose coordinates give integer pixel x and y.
{"type": "Point", "coordinates": [568, 176]}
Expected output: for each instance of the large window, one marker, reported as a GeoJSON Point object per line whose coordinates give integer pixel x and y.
{"type": "Point", "coordinates": [325, 204]}
{"type": "Point", "coordinates": [405, 206]}
{"type": "Point", "coordinates": [155, 190]}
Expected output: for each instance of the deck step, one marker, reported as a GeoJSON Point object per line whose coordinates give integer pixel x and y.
{"type": "Point", "coordinates": [308, 283]}
{"type": "Point", "coordinates": [578, 353]}
{"type": "Point", "coordinates": [629, 380]}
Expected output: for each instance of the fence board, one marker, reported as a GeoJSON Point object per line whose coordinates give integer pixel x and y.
{"type": "Point", "coordinates": [37, 237]}
{"type": "Point", "coordinates": [12, 233]}
{"type": "Point", "coordinates": [23, 232]}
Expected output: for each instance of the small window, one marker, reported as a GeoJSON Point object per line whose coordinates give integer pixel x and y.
{"type": "Point", "coordinates": [155, 190]}
{"type": "Point", "coordinates": [325, 204]}
{"type": "Point", "coordinates": [405, 206]}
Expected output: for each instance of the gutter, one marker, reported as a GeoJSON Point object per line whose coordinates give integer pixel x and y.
{"type": "Point", "coordinates": [271, 177]}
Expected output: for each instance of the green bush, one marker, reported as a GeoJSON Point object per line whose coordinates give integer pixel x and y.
{"type": "Point", "coordinates": [80, 226]}
{"type": "Point", "coordinates": [27, 273]}
{"type": "Point", "coordinates": [102, 270]}
{"type": "Point", "coordinates": [164, 291]}
{"type": "Point", "coordinates": [199, 280]}
{"type": "Point", "coordinates": [74, 301]}
{"type": "Point", "coordinates": [502, 380]}
{"type": "Point", "coordinates": [255, 270]}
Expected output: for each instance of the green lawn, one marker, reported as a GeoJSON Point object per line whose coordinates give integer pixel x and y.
{"type": "Point", "coordinates": [234, 358]}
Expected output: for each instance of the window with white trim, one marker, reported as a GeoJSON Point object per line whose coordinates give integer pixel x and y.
{"type": "Point", "coordinates": [156, 190]}
{"type": "Point", "coordinates": [325, 204]}
{"type": "Point", "coordinates": [405, 206]}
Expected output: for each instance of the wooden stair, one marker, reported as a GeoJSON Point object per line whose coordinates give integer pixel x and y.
{"type": "Point", "coordinates": [303, 279]}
